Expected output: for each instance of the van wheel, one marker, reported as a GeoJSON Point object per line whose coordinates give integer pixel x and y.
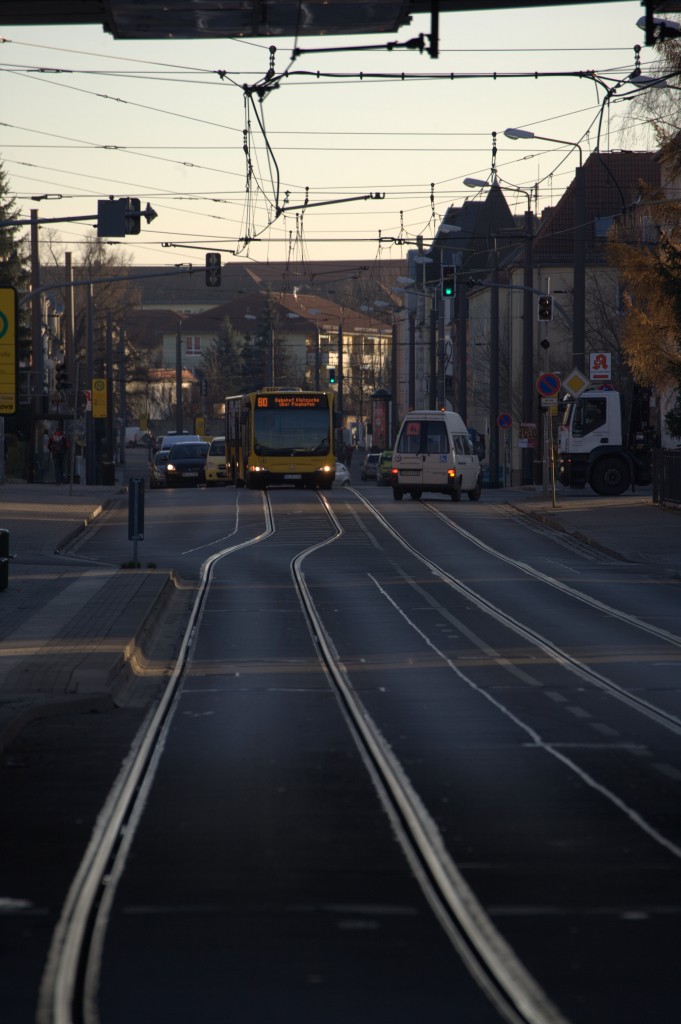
{"type": "Point", "coordinates": [474, 495]}
{"type": "Point", "coordinates": [455, 495]}
{"type": "Point", "coordinates": [397, 494]}
{"type": "Point", "coordinates": [415, 495]}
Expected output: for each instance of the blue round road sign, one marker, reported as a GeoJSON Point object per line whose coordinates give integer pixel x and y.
{"type": "Point", "coordinates": [548, 384]}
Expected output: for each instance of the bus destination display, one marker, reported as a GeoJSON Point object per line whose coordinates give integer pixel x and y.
{"type": "Point", "coordinates": [300, 400]}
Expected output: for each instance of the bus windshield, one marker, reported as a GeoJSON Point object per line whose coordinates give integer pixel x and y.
{"type": "Point", "coordinates": [291, 432]}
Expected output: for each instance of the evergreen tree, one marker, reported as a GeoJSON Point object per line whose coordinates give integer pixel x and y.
{"type": "Point", "coordinates": [221, 364]}
{"type": "Point", "coordinates": [14, 252]}
{"type": "Point", "coordinates": [254, 362]}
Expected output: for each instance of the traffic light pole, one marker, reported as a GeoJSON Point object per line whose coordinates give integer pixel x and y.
{"type": "Point", "coordinates": [340, 380]}
{"type": "Point", "coordinates": [493, 468]}
{"type": "Point", "coordinates": [528, 346]}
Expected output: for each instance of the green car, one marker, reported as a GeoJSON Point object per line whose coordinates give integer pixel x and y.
{"type": "Point", "coordinates": [385, 465]}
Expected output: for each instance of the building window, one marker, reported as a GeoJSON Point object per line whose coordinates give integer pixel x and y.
{"type": "Point", "coordinates": [193, 346]}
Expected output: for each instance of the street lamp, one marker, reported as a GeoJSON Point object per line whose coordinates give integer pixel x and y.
{"type": "Point", "coordinates": [528, 339]}
{"type": "Point", "coordinates": [579, 246]}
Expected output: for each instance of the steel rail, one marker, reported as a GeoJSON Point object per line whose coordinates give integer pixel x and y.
{"type": "Point", "coordinates": [551, 650]}
{"type": "Point", "coordinates": [69, 979]}
{"type": "Point", "coordinates": [487, 956]}
{"type": "Point", "coordinates": [593, 602]}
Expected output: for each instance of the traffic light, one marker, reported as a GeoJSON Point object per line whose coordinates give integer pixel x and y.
{"type": "Point", "coordinates": [133, 216]}
{"type": "Point", "coordinates": [332, 375]}
{"type": "Point", "coordinates": [545, 308]}
{"type": "Point", "coordinates": [119, 217]}
{"type": "Point", "coordinates": [448, 282]}
{"type": "Point", "coordinates": [213, 270]}
{"type": "Point", "coordinates": [61, 377]}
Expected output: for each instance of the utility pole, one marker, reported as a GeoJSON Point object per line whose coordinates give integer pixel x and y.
{"type": "Point", "coordinates": [90, 453]}
{"type": "Point", "coordinates": [432, 347]}
{"type": "Point", "coordinates": [494, 372]}
{"type": "Point", "coordinates": [122, 406]}
{"type": "Point", "coordinates": [462, 353]}
{"type": "Point", "coordinates": [394, 416]}
{"type": "Point", "coordinates": [528, 347]}
{"type": "Point", "coordinates": [412, 360]}
{"type": "Point", "coordinates": [579, 281]}
{"type": "Point", "coordinates": [69, 324]}
{"type": "Point", "coordinates": [178, 379]}
{"type": "Point", "coordinates": [339, 355]}
{"type": "Point", "coordinates": [109, 390]}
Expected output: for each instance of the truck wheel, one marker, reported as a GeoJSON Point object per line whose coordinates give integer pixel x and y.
{"type": "Point", "coordinates": [610, 476]}
{"type": "Point", "coordinates": [474, 495]}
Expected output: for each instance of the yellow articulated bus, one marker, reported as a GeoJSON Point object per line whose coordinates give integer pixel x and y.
{"type": "Point", "coordinates": [280, 436]}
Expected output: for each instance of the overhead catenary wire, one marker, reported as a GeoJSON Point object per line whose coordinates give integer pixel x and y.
{"type": "Point", "coordinates": [290, 78]}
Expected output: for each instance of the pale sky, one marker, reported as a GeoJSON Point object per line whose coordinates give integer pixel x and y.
{"type": "Point", "coordinates": [85, 116]}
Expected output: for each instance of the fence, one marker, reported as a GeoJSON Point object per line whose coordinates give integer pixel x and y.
{"type": "Point", "coordinates": [667, 476]}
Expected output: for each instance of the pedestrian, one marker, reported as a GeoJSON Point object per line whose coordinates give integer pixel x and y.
{"type": "Point", "coordinates": [58, 447]}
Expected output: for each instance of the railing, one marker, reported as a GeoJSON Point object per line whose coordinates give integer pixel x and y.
{"type": "Point", "coordinates": [667, 476]}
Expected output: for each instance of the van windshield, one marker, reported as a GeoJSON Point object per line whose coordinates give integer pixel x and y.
{"type": "Point", "coordinates": [421, 437]}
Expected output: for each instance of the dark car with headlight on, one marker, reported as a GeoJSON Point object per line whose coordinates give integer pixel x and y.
{"type": "Point", "coordinates": [157, 470]}
{"type": "Point", "coordinates": [187, 464]}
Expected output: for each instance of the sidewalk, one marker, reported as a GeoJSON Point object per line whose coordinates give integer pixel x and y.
{"type": "Point", "coordinates": [70, 631]}
{"type": "Point", "coordinates": [629, 527]}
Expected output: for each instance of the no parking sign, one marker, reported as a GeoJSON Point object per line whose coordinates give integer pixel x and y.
{"type": "Point", "coordinates": [548, 384]}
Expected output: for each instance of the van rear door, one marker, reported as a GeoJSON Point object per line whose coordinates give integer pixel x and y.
{"type": "Point", "coordinates": [408, 459]}
{"type": "Point", "coordinates": [423, 454]}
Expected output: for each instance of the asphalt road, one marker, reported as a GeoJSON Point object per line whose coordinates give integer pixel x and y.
{"type": "Point", "coordinates": [532, 716]}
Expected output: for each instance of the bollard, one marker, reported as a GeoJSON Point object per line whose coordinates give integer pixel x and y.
{"type": "Point", "coordinates": [4, 559]}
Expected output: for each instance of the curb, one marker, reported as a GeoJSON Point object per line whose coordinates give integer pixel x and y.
{"type": "Point", "coordinates": [108, 679]}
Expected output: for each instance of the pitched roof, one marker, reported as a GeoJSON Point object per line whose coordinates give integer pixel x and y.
{"type": "Point", "coordinates": [612, 184]}
{"type": "Point", "coordinates": [306, 312]}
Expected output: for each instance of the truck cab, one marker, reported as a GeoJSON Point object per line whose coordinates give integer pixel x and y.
{"type": "Point", "coordinates": [597, 447]}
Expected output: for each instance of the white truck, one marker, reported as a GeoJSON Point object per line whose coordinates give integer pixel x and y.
{"type": "Point", "coordinates": [604, 444]}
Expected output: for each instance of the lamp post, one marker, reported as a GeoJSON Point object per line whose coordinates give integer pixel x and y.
{"type": "Point", "coordinates": [579, 246]}
{"type": "Point", "coordinates": [422, 260]}
{"type": "Point", "coordinates": [528, 336]}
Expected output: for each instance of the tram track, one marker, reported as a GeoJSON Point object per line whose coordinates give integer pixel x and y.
{"type": "Point", "coordinates": [551, 650]}
{"type": "Point", "coordinates": [489, 959]}
{"type": "Point", "coordinates": [68, 987]}
{"type": "Point", "coordinates": [70, 982]}
{"type": "Point", "coordinates": [68, 993]}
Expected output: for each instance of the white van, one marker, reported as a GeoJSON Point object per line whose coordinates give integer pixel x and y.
{"type": "Point", "coordinates": [433, 452]}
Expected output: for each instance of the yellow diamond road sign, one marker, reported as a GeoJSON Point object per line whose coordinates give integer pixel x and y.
{"type": "Point", "coordinates": [576, 382]}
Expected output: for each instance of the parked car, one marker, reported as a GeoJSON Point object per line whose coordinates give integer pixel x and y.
{"type": "Point", "coordinates": [383, 472]}
{"type": "Point", "coordinates": [216, 467]}
{"type": "Point", "coordinates": [370, 466]}
{"type": "Point", "coordinates": [187, 463]}
{"type": "Point", "coordinates": [342, 474]}
{"type": "Point", "coordinates": [157, 469]}
{"type": "Point", "coordinates": [168, 440]}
